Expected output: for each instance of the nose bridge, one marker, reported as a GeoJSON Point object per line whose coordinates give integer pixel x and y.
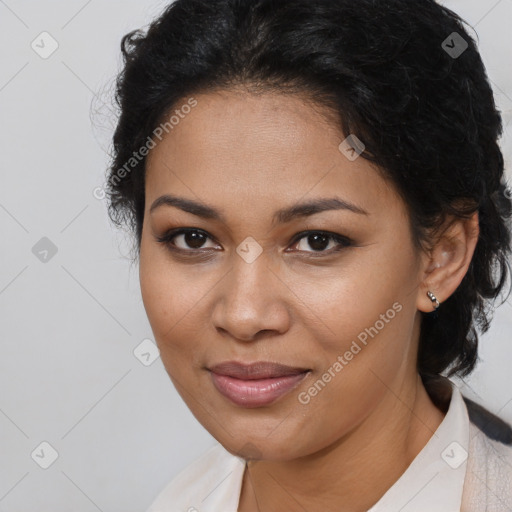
{"type": "Point", "coordinates": [250, 280]}
{"type": "Point", "coordinates": [250, 300]}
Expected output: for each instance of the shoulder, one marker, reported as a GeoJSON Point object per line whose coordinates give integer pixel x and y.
{"type": "Point", "coordinates": [488, 423]}
{"type": "Point", "coordinates": [198, 480]}
{"type": "Point", "coordinates": [488, 481]}
{"type": "Point", "coordinates": [489, 471]}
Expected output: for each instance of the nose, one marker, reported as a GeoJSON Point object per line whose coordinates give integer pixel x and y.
{"type": "Point", "coordinates": [251, 301]}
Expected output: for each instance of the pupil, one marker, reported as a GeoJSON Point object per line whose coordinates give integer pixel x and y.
{"type": "Point", "coordinates": [316, 241]}
{"type": "Point", "coordinates": [194, 239]}
{"type": "Point", "coordinates": [313, 242]}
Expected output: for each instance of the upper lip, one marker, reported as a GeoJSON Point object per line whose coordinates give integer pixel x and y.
{"type": "Point", "coordinates": [258, 370]}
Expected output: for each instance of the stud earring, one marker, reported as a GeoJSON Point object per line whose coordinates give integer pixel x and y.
{"type": "Point", "coordinates": [434, 300]}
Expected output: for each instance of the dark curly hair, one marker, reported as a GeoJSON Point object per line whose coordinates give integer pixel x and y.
{"type": "Point", "coordinates": [427, 117]}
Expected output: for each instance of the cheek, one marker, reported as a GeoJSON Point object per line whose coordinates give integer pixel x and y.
{"type": "Point", "coordinates": [166, 314]}
{"type": "Point", "coordinates": [370, 313]}
{"type": "Point", "coordinates": [162, 289]}
{"type": "Point", "coordinates": [155, 290]}
{"type": "Point", "coordinates": [353, 301]}
{"type": "Point", "coordinates": [174, 298]}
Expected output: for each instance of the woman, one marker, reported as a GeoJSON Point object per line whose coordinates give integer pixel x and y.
{"type": "Point", "coordinates": [321, 222]}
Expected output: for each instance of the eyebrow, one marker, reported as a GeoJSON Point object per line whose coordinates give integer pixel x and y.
{"type": "Point", "coordinates": [281, 216]}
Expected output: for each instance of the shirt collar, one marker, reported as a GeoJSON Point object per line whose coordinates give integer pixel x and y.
{"type": "Point", "coordinates": [433, 481]}
{"type": "Point", "coordinates": [435, 478]}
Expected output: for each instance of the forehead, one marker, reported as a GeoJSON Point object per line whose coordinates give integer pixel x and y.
{"type": "Point", "coordinates": [245, 124]}
{"type": "Point", "coordinates": [259, 150]}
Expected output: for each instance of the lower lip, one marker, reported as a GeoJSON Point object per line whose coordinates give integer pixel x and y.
{"type": "Point", "coordinates": [255, 393]}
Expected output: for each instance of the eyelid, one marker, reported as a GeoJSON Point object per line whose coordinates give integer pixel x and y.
{"type": "Point", "coordinates": [342, 241]}
{"type": "Point", "coordinates": [173, 233]}
{"type": "Point", "coordinates": [328, 234]}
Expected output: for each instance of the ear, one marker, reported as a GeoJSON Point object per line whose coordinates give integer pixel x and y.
{"type": "Point", "coordinates": [447, 262]}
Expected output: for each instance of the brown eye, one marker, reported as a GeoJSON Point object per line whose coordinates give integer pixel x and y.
{"type": "Point", "coordinates": [319, 241]}
{"type": "Point", "coordinates": [188, 239]}
{"type": "Point", "coordinates": [194, 239]}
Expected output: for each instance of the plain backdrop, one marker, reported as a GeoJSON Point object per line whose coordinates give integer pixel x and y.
{"type": "Point", "coordinates": [73, 374]}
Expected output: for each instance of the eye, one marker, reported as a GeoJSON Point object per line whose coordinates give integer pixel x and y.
{"type": "Point", "coordinates": [193, 239]}
{"type": "Point", "coordinates": [319, 241]}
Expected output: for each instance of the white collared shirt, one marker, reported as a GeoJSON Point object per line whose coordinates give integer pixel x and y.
{"type": "Point", "coordinates": [459, 469]}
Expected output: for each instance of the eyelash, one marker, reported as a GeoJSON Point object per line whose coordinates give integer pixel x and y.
{"type": "Point", "coordinates": [167, 238]}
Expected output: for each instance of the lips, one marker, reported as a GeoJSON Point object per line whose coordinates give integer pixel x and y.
{"type": "Point", "coordinates": [257, 384]}
{"type": "Point", "coordinates": [258, 370]}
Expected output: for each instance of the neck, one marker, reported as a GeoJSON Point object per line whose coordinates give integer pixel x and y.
{"type": "Point", "coordinates": [357, 469]}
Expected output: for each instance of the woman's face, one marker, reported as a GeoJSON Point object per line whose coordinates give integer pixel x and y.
{"type": "Point", "coordinates": [339, 300]}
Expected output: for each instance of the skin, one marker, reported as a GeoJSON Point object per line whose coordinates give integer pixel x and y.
{"type": "Point", "coordinates": [249, 156]}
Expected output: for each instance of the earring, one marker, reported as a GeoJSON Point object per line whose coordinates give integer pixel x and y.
{"type": "Point", "coordinates": [434, 300]}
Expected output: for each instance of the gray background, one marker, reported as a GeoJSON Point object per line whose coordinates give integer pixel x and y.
{"type": "Point", "coordinates": [69, 325]}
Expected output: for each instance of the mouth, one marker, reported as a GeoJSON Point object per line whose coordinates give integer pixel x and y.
{"type": "Point", "coordinates": [257, 384]}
